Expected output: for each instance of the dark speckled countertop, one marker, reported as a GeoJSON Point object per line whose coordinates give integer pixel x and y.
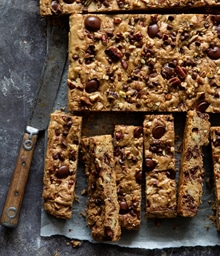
{"type": "Point", "coordinates": [22, 51]}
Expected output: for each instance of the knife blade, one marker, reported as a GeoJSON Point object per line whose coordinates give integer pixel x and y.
{"type": "Point", "coordinates": [53, 68]}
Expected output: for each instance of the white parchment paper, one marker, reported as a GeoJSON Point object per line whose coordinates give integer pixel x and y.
{"type": "Point", "coordinates": [154, 233]}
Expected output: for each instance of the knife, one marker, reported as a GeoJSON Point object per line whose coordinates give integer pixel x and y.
{"type": "Point", "coordinates": [56, 57]}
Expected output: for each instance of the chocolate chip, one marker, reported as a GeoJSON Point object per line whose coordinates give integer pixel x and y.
{"type": "Point", "coordinates": [216, 19]}
{"type": "Point", "coordinates": [56, 8]}
{"type": "Point", "coordinates": [217, 142]}
{"type": "Point", "coordinates": [202, 106]}
{"type": "Point", "coordinates": [214, 52]}
{"type": "Point", "coordinates": [124, 64]}
{"type": "Point", "coordinates": [123, 207]}
{"type": "Point", "coordinates": [109, 234]}
{"type": "Point", "coordinates": [118, 135]}
{"type": "Point", "coordinates": [92, 23]}
{"type": "Point", "coordinates": [57, 132]}
{"type": "Point", "coordinates": [167, 71]}
{"type": "Point", "coordinates": [92, 85]}
{"type": "Point", "coordinates": [217, 28]}
{"type": "Point", "coordinates": [56, 156]}
{"type": "Point", "coordinates": [72, 155]}
{"type": "Point", "coordinates": [138, 132]}
{"type": "Point", "coordinates": [62, 172]}
{"type": "Point", "coordinates": [150, 164]}
{"type": "Point", "coordinates": [138, 177]}
{"type": "Point", "coordinates": [195, 130]}
{"type": "Point", "coordinates": [99, 201]}
{"type": "Point", "coordinates": [158, 131]}
{"type": "Point", "coordinates": [171, 174]}
{"type": "Point", "coordinates": [153, 29]}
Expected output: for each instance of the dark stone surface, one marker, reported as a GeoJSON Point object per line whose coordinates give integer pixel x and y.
{"type": "Point", "coordinates": [22, 51]}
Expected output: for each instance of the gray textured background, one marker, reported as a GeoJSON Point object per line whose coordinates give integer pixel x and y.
{"type": "Point", "coordinates": [22, 53]}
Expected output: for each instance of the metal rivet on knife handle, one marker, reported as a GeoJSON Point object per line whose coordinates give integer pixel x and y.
{"type": "Point", "coordinates": [11, 211]}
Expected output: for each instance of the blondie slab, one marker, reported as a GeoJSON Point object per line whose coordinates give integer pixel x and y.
{"type": "Point", "coordinates": [128, 152]}
{"type": "Point", "coordinates": [159, 159]}
{"type": "Point", "coordinates": [65, 7]}
{"type": "Point", "coordinates": [61, 160]}
{"type": "Point", "coordinates": [103, 207]}
{"type": "Point", "coordinates": [215, 144]}
{"type": "Point", "coordinates": [115, 64]}
{"type": "Point", "coordinates": [196, 135]}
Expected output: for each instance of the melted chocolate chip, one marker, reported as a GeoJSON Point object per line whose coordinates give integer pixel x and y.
{"type": "Point", "coordinates": [57, 132]}
{"type": "Point", "coordinates": [202, 106]}
{"type": "Point", "coordinates": [168, 71]}
{"type": "Point", "coordinates": [150, 164]}
{"type": "Point", "coordinates": [153, 29]}
{"type": "Point", "coordinates": [109, 234]}
{"type": "Point", "coordinates": [119, 135]}
{"type": "Point", "coordinates": [217, 28]}
{"type": "Point", "coordinates": [171, 174]}
{"type": "Point", "coordinates": [62, 172]}
{"type": "Point", "coordinates": [216, 19]}
{"type": "Point", "coordinates": [92, 23]}
{"type": "Point", "coordinates": [56, 8]}
{"type": "Point", "coordinates": [214, 53]}
{"type": "Point", "coordinates": [138, 132]}
{"type": "Point", "coordinates": [92, 85]}
{"type": "Point", "coordinates": [158, 131]}
{"type": "Point", "coordinates": [123, 207]}
{"type": "Point", "coordinates": [138, 177]}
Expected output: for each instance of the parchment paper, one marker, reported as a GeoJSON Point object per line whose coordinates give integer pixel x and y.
{"type": "Point", "coordinates": [154, 233]}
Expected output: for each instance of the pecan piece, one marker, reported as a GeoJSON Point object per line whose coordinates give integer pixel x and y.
{"type": "Point", "coordinates": [174, 81]}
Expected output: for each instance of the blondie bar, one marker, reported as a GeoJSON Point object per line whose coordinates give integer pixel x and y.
{"type": "Point", "coordinates": [61, 161]}
{"type": "Point", "coordinates": [196, 135]}
{"type": "Point", "coordinates": [159, 159]}
{"type": "Point", "coordinates": [103, 206]}
{"type": "Point", "coordinates": [128, 152]}
{"type": "Point", "coordinates": [115, 64]}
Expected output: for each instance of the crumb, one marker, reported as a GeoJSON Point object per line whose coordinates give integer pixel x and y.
{"type": "Point", "coordinates": [75, 243]}
{"type": "Point", "coordinates": [207, 227]}
{"type": "Point", "coordinates": [179, 148]}
{"type": "Point", "coordinates": [56, 254]}
{"type": "Point", "coordinates": [76, 199]}
{"type": "Point", "coordinates": [84, 192]}
{"type": "Point", "coordinates": [83, 214]}
{"type": "Point", "coordinates": [210, 202]}
{"type": "Point", "coordinates": [212, 218]}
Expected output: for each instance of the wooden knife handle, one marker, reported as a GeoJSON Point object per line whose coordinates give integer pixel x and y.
{"type": "Point", "coordinates": [11, 211]}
